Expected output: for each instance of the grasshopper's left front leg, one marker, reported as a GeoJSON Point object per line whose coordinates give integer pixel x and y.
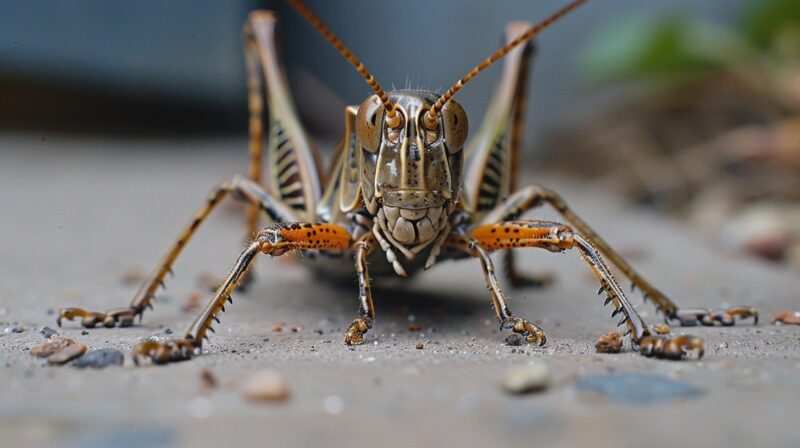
{"type": "Point", "coordinates": [366, 310]}
{"type": "Point", "coordinates": [557, 237]}
{"type": "Point", "coordinates": [273, 240]}
{"type": "Point", "coordinates": [534, 196]}
{"type": "Point", "coordinates": [469, 245]}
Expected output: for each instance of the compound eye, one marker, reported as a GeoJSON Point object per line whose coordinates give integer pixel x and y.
{"type": "Point", "coordinates": [369, 121]}
{"type": "Point", "coordinates": [456, 126]}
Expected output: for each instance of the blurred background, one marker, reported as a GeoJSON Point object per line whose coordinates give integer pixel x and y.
{"type": "Point", "coordinates": [689, 107]}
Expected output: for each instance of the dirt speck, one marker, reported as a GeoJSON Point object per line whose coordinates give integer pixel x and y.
{"type": "Point", "coordinates": [192, 302]}
{"type": "Point", "coordinates": [132, 275]}
{"type": "Point", "coordinates": [207, 379]}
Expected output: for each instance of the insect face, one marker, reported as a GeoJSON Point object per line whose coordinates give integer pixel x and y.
{"type": "Point", "coordinates": [411, 173]}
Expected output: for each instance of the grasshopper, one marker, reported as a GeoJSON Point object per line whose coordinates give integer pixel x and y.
{"type": "Point", "coordinates": [398, 197]}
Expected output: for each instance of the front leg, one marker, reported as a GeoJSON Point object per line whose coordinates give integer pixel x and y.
{"type": "Point", "coordinates": [366, 310]}
{"type": "Point", "coordinates": [469, 245]}
{"type": "Point", "coordinates": [534, 196]}
{"type": "Point", "coordinates": [273, 240]}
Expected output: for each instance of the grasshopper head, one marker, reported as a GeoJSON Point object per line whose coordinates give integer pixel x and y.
{"type": "Point", "coordinates": [411, 172]}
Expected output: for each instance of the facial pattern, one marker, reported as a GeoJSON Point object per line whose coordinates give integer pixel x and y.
{"type": "Point", "coordinates": [411, 175]}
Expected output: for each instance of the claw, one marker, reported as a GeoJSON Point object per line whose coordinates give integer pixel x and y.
{"type": "Point", "coordinates": [162, 352]}
{"type": "Point", "coordinates": [122, 317]}
{"type": "Point", "coordinates": [531, 332]}
{"type": "Point", "coordinates": [667, 347]}
{"type": "Point", "coordinates": [690, 317]}
{"type": "Point", "coordinates": [355, 333]}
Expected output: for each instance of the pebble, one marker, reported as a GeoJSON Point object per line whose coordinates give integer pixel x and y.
{"type": "Point", "coordinates": [266, 385]}
{"type": "Point", "coordinates": [786, 317]}
{"type": "Point", "coordinates": [132, 275]}
{"type": "Point", "coordinates": [661, 329]}
{"type": "Point", "coordinates": [609, 343]}
{"type": "Point", "coordinates": [48, 332]}
{"type": "Point", "coordinates": [101, 358]}
{"type": "Point", "coordinates": [67, 354]}
{"type": "Point", "coordinates": [207, 379]}
{"type": "Point", "coordinates": [420, 345]}
{"type": "Point", "coordinates": [525, 379]}
{"type": "Point", "coordinates": [53, 345]}
{"type": "Point", "coordinates": [413, 326]}
{"type": "Point", "coordinates": [18, 330]}
{"type": "Point", "coordinates": [636, 388]}
{"type": "Point", "coordinates": [513, 340]}
{"type": "Point", "coordinates": [84, 332]}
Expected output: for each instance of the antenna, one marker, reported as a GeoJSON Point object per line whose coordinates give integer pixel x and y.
{"type": "Point", "coordinates": [430, 117]}
{"type": "Point", "coordinates": [393, 119]}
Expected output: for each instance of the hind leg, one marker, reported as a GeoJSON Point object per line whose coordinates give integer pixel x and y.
{"type": "Point", "coordinates": [242, 189]}
{"type": "Point", "coordinates": [534, 196]}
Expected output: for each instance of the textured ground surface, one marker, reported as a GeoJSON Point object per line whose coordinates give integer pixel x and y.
{"type": "Point", "coordinates": [76, 214]}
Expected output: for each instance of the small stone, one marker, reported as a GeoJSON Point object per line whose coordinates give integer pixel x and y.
{"type": "Point", "coordinates": [67, 354]}
{"type": "Point", "coordinates": [84, 332]}
{"type": "Point", "coordinates": [168, 331]}
{"type": "Point", "coordinates": [514, 340]}
{"type": "Point", "coordinates": [661, 329]}
{"type": "Point", "coordinates": [192, 302]}
{"type": "Point", "coordinates": [525, 379]}
{"type": "Point", "coordinates": [132, 275]}
{"type": "Point", "coordinates": [207, 379]}
{"type": "Point", "coordinates": [18, 330]}
{"type": "Point", "coordinates": [277, 328]}
{"type": "Point", "coordinates": [48, 332]}
{"type": "Point", "coordinates": [609, 343]}
{"type": "Point", "coordinates": [636, 388]}
{"type": "Point", "coordinates": [420, 345]}
{"type": "Point", "coordinates": [266, 385]}
{"type": "Point", "coordinates": [208, 281]}
{"type": "Point", "coordinates": [786, 317]}
{"type": "Point", "coordinates": [413, 326]}
{"type": "Point", "coordinates": [53, 345]}
{"type": "Point", "coordinates": [101, 358]}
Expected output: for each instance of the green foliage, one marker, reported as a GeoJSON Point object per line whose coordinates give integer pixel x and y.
{"type": "Point", "coordinates": [655, 47]}
{"type": "Point", "coordinates": [768, 19]}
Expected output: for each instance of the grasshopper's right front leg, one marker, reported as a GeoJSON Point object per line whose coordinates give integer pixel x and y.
{"type": "Point", "coordinates": [273, 240]}
{"type": "Point", "coordinates": [242, 189]}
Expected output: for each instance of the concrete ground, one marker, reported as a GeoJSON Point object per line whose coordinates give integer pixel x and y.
{"type": "Point", "coordinates": [76, 214]}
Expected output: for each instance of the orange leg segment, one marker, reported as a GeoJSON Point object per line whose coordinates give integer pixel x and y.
{"type": "Point", "coordinates": [273, 240]}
